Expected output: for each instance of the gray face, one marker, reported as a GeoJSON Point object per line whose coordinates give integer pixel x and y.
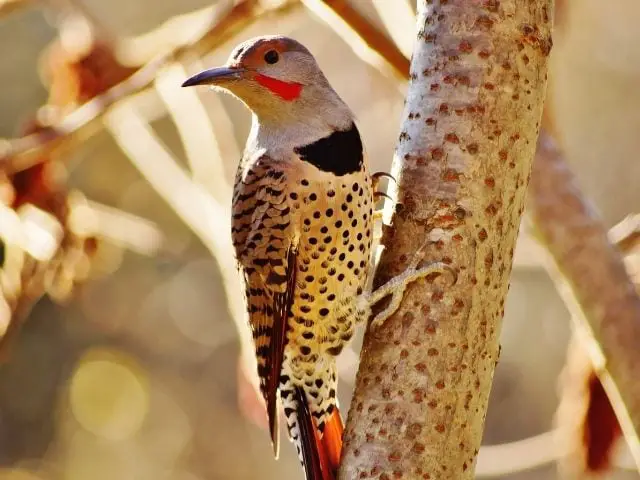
{"type": "Point", "coordinates": [279, 80]}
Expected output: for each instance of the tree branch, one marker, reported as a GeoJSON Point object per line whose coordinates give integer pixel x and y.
{"type": "Point", "coordinates": [199, 137]}
{"type": "Point", "coordinates": [367, 41]}
{"type": "Point", "coordinates": [75, 128]}
{"type": "Point", "coordinates": [204, 216]}
{"type": "Point", "coordinates": [463, 161]}
{"type": "Point", "coordinates": [8, 7]}
{"type": "Point", "coordinates": [592, 279]}
{"type": "Point", "coordinates": [399, 20]}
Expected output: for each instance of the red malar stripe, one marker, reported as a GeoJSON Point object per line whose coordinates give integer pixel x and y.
{"type": "Point", "coordinates": [287, 91]}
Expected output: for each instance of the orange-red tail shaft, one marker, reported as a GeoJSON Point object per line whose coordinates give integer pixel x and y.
{"type": "Point", "coordinates": [320, 456]}
{"type": "Point", "coordinates": [332, 439]}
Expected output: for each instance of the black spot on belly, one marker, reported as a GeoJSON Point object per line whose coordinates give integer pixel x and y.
{"type": "Point", "coordinates": [339, 153]}
{"type": "Point", "coordinates": [335, 351]}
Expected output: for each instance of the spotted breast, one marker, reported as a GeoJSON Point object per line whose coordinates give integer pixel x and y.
{"type": "Point", "coordinates": [302, 230]}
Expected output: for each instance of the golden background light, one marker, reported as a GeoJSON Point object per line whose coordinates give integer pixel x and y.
{"type": "Point", "coordinates": [108, 394]}
{"type": "Point", "coordinates": [18, 474]}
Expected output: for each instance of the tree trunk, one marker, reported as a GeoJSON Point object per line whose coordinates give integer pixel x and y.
{"type": "Point", "coordinates": [463, 161]}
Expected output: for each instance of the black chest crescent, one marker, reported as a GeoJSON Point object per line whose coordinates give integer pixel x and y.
{"type": "Point", "coordinates": [339, 153]}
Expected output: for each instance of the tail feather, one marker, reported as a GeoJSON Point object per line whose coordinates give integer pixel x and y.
{"type": "Point", "coordinates": [318, 455]}
{"type": "Point", "coordinates": [332, 439]}
{"type": "Point", "coordinates": [274, 430]}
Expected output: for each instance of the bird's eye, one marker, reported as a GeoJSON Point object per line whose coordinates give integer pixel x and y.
{"type": "Point", "coordinates": [271, 57]}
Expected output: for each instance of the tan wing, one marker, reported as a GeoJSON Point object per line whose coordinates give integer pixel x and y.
{"type": "Point", "coordinates": [262, 237]}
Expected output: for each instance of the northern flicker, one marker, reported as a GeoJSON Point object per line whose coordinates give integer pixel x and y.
{"type": "Point", "coordinates": [302, 229]}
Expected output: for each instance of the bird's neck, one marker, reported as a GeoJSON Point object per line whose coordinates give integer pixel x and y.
{"type": "Point", "coordinates": [315, 115]}
{"type": "Point", "coordinates": [279, 139]}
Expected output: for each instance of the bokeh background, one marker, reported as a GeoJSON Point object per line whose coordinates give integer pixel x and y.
{"type": "Point", "coordinates": [135, 377]}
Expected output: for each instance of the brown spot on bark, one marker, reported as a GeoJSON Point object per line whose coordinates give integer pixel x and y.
{"type": "Point", "coordinates": [465, 46]}
{"type": "Point", "coordinates": [418, 395]}
{"type": "Point", "coordinates": [437, 153]}
{"type": "Point", "coordinates": [484, 22]}
{"type": "Point", "coordinates": [491, 5]}
{"type": "Point", "coordinates": [418, 447]}
{"type": "Point", "coordinates": [450, 175]}
{"type": "Point", "coordinates": [451, 138]}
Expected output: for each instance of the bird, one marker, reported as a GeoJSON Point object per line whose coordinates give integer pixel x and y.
{"type": "Point", "coordinates": [302, 230]}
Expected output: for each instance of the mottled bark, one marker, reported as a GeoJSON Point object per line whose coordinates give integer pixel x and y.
{"type": "Point", "coordinates": [591, 276]}
{"type": "Point", "coordinates": [463, 161]}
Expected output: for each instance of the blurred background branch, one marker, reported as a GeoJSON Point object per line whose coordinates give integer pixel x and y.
{"type": "Point", "coordinates": [206, 29]}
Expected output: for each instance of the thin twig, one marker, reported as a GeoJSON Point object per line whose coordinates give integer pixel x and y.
{"type": "Point", "coordinates": [199, 137]}
{"type": "Point", "coordinates": [190, 201]}
{"type": "Point", "coordinates": [530, 453]}
{"type": "Point", "coordinates": [531, 254]}
{"type": "Point", "coordinates": [118, 227]}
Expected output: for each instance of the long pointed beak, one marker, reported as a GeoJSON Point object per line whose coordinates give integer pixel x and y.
{"type": "Point", "coordinates": [214, 76]}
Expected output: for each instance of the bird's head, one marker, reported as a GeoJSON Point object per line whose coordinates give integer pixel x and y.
{"type": "Point", "coordinates": [276, 77]}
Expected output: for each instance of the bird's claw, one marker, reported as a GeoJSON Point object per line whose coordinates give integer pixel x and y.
{"type": "Point", "coordinates": [397, 286]}
{"type": "Point", "coordinates": [381, 194]}
{"type": "Point", "coordinates": [375, 180]}
{"type": "Point", "coordinates": [378, 175]}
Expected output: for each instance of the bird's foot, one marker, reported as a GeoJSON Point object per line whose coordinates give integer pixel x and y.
{"type": "Point", "coordinates": [397, 286]}
{"type": "Point", "coordinates": [377, 195]}
{"type": "Point", "coordinates": [375, 178]}
{"type": "Point", "coordinates": [375, 182]}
